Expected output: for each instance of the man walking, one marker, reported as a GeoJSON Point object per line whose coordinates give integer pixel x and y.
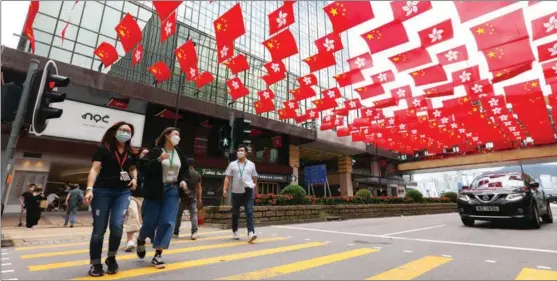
{"type": "Point", "coordinates": [190, 200]}
{"type": "Point", "coordinates": [74, 199]}
{"type": "Point", "coordinates": [243, 174]}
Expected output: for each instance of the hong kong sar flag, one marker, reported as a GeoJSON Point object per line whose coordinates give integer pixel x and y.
{"type": "Point", "coordinates": [236, 88]}
{"type": "Point", "coordinates": [361, 62]}
{"type": "Point", "coordinates": [405, 10]}
{"type": "Point", "coordinates": [436, 34]}
{"type": "Point", "coordinates": [329, 43]}
{"type": "Point", "coordinates": [281, 18]}
{"type": "Point", "coordinates": [547, 51]}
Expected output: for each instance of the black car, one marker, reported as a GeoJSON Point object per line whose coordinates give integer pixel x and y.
{"type": "Point", "coordinates": [504, 196]}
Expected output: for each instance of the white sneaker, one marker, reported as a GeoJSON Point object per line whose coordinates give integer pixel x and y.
{"type": "Point", "coordinates": [130, 246]}
{"type": "Point", "coordinates": [236, 236]}
{"type": "Point", "coordinates": [194, 236]}
{"type": "Point", "coordinates": [251, 237]}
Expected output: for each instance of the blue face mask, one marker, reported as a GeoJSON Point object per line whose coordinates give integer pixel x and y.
{"type": "Point", "coordinates": [123, 137]}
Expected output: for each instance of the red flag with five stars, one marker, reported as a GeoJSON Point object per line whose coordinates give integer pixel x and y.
{"type": "Point", "coordinates": [501, 30]}
{"type": "Point", "coordinates": [165, 8]}
{"type": "Point", "coordinates": [324, 104]}
{"type": "Point", "coordinates": [385, 103]}
{"type": "Point", "coordinates": [510, 72]}
{"type": "Point", "coordinates": [137, 55]}
{"type": "Point", "coordinates": [303, 92]}
{"type": "Point", "coordinates": [370, 91]}
{"type": "Point", "coordinates": [385, 37]}
{"type": "Point", "coordinates": [129, 32]}
{"type": "Point", "coordinates": [286, 113]}
{"type": "Point", "coordinates": [439, 91]}
{"type": "Point", "coordinates": [429, 75]}
{"type": "Point", "coordinates": [107, 54]}
{"type": "Point", "coordinates": [230, 25]}
{"type": "Point", "coordinates": [361, 62]}
{"type": "Point", "coordinates": [329, 43]}
{"type": "Point", "coordinates": [204, 79]}
{"type": "Point", "coordinates": [237, 64]}
{"type": "Point", "coordinates": [186, 56]}
{"type": "Point", "coordinates": [263, 106]}
{"type": "Point", "coordinates": [282, 45]}
{"type": "Point", "coordinates": [405, 10]}
{"type": "Point", "coordinates": [514, 53]}
{"type": "Point", "coordinates": [453, 55]}
{"type": "Point", "coordinates": [411, 59]}
{"type": "Point", "coordinates": [281, 18]}
{"type": "Point", "coordinates": [436, 34]}
{"type": "Point", "coordinates": [161, 71]}
{"type": "Point", "coordinates": [320, 61]}
{"type": "Point", "coordinates": [349, 78]}
{"type": "Point", "coordinates": [345, 15]}
{"type": "Point", "coordinates": [468, 10]}
{"type": "Point", "coordinates": [544, 26]}
{"type": "Point", "coordinates": [168, 27]}
{"type": "Point", "coordinates": [28, 26]}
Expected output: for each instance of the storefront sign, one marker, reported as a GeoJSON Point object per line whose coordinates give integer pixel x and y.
{"type": "Point", "coordinates": [262, 177]}
{"type": "Point", "coordinates": [88, 122]}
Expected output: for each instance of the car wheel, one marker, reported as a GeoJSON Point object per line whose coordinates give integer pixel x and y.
{"type": "Point", "coordinates": [467, 221]}
{"type": "Point", "coordinates": [535, 217]}
{"type": "Point", "coordinates": [548, 218]}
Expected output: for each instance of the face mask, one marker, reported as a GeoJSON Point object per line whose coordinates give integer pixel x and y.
{"type": "Point", "coordinates": [123, 137]}
{"type": "Point", "coordinates": [240, 154]}
{"type": "Point", "coordinates": [175, 140]}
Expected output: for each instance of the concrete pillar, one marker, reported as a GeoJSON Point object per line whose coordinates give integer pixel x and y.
{"type": "Point", "coordinates": [345, 175]}
{"type": "Point", "coordinates": [294, 162]}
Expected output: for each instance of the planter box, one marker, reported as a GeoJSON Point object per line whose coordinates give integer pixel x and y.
{"type": "Point", "coordinates": [221, 216]}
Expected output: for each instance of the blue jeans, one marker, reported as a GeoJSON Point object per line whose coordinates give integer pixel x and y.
{"type": "Point", "coordinates": [108, 203]}
{"type": "Point", "coordinates": [71, 214]}
{"type": "Point", "coordinates": [245, 199]}
{"type": "Point", "coordinates": [159, 217]}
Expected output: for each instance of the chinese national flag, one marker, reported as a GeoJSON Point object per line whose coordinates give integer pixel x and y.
{"type": "Point", "coordinates": [411, 59]}
{"type": "Point", "coordinates": [325, 126]}
{"type": "Point", "coordinates": [308, 80]}
{"type": "Point", "coordinates": [266, 94]}
{"type": "Point", "coordinates": [343, 132]}
{"type": "Point", "coordinates": [263, 106]}
{"type": "Point", "coordinates": [230, 25]}
{"type": "Point", "coordinates": [466, 75]}
{"type": "Point", "coordinates": [129, 32]}
{"type": "Point", "coordinates": [453, 55]}
{"type": "Point", "coordinates": [401, 93]}
{"type": "Point", "coordinates": [439, 91]}
{"type": "Point", "coordinates": [347, 14]}
{"type": "Point", "coordinates": [286, 113]}
{"type": "Point", "coordinates": [341, 111]}
{"type": "Point", "coordinates": [275, 67]}
{"type": "Point", "coordinates": [543, 26]}
{"type": "Point", "coordinates": [303, 92]}
{"type": "Point", "coordinates": [329, 43]}
{"type": "Point", "coordinates": [282, 45]}
{"type": "Point", "coordinates": [436, 34]}
{"type": "Point", "coordinates": [302, 118]}
{"type": "Point", "coordinates": [165, 8]}
{"type": "Point", "coordinates": [547, 51]}
{"type": "Point", "coordinates": [370, 91]}
{"type": "Point", "coordinates": [405, 10]}
{"type": "Point", "coordinates": [468, 10]}
{"type": "Point", "coordinates": [225, 50]}
{"type": "Point", "coordinates": [106, 53]}
{"type": "Point", "coordinates": [510, 72]}
{"type": "Point", "coordinates": [361, 62]}
{"type": "Point", "coordinates": [28, 26]}
{"type": "Point", "coordinates": [385, 37]}
{"type": "Point", "coordinates": [383, 77]}
{"type": "Point", "coordinates": [514, 53]}
{"type": "Point", "coordinates": [524, 88]}
{"type": "Point", "coordinates": [333, 93]}
{"type": "Point", "coordinates": [291, 104]}
{"type": "Point", "coordinates": [168, 27]}
{"type": "Point", "coordinates": [385, 103]}
{"type": "Point", "coordinates": [236, 88]}
{"type": "Point", "coordinates": [204, 79]}
{"type": "Point", "coordinates": [281, 18]}
{"type": "Point", "coordinates": [501, 30]}
{"type": "Point", "coordinates": [320, 61]}
{"type": "Point", "coordinates": [550, 72]}
{"type": "Point", "coordinates": [349, 78]}
{"type": "Point", "coordinates": [161, 71]}
{"type": "Point", "coordinates": [324, 104]}
{"type": "Point", "coordinates": [429, 75]}
{"type": "Point", "coordinates": [137, 55]}
{"type": "Point", "coordinates": [237, 64]}
{"type": "Point", "coordinates": [186, 56]}
{"type": "Point", "coordinates": [273, 78]}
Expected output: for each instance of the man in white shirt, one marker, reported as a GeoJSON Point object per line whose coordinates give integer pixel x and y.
{"type": "Point", "coordinates": [243, 174]}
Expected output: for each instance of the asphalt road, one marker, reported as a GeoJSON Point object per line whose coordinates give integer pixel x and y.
{"type": "Point", "coordinates": [433, 247]}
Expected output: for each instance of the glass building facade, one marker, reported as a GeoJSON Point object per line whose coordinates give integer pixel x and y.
{"type": "Point", "coordinates": [94, 22]}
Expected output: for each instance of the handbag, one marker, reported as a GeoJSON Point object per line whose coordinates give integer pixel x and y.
{"type": "Point", "coordinates": [43, 204]}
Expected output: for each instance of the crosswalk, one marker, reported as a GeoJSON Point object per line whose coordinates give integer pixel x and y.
{"type": "Point", "coordinates": [286, 257]}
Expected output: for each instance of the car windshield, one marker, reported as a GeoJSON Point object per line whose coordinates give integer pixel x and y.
{"type": "Point", "coordinates": [497, 181]}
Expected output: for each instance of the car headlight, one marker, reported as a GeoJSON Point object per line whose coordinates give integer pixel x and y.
{"type": "Point", "coordinates": [515, 196]}
{"type": "Point", "coordinates": [463, 197]}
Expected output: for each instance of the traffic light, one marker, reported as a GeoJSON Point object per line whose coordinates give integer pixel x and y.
{"type": "Point", "coordinates": [46, 90]}
{"type": "Point", "coordinates": [225, 138]}
{"type": "Point", "coordinates": [242, 131]}
{"type": "Point", "coordinates": [11, 94]}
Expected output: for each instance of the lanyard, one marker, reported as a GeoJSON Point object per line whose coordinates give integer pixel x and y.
{"type": "Point", "coordinates": [171, 160]}
{"type": "Point", "coordinates": [121, 161]}
{"type": "Point", "coordinates": [241, 170]}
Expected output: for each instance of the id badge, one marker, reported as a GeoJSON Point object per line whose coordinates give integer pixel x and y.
{"type": "Point", "coordinates": [171, 176]}
{"type": "Point", "coordinates": [124, 176]}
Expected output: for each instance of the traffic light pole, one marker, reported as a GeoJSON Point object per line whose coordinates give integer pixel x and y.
{"type": "Point", "coordinates": [228, 200]}
{"type": "Point", "coordinates": [19, 118]}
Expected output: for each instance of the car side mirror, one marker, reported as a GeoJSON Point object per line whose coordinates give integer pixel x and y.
{"type": "Point", "coordinates": [534, 185]}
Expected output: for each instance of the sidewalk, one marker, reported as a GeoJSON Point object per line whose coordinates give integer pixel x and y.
{"type": "Point", "coordinates": [48, 219]}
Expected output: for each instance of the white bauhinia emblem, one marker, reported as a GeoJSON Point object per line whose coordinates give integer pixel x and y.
{"type": "Point", "coordinates": [497, 110]}
{"type": "Point", "coordinates": [411, 7]}
{"type": "Point", "coordinates": [266, 95]}
{"type": "Point", "coordinates": [291, 105]}
{"type": "Point", "coordinates": [512, 129]}
{"type": "Point", "coordinates": [504, 118]}
{"type": "Point", "coordinates": [168, 28]}
{"type": "Point", "coordinates": [391, 121]}
{"type": "Point", "coordinates": [327, 118]}
{"type": "Point", "coordinates": [366, 131]}
{"type": "Point", "coordinates": [465, 76]}
{"type": "Point", "coordinates": [551, 24]}
{"type": "Point", "coordinates": [307, 80]}
{"type": "Point", "coordinates": [235, 85]}
{"type": "Point", "coordinates": [436, 35]}
{"type": "Point", "coordinates": [360, 62]}
{"type": "Point", "coordinates": [137, 55]}
{"type": "Point", "coordinates": [437, 113]}
{"type": "Point", "coordinates": [422, 136]}
{"type": "Point", "coordinates": [312, 114]}
{"type": "Point", "coordinates": [493, 102]}
{"type": "Point", "coordinates": [369, 112]}
{"type": "Point", "coordinates": [281, 19]}
{"type": "Point", "coordinates": [275, 67]}
{"type": "Point", "coordinates": [193, 73]}
{"type": "Point", "coordinates": [553, 50]}
{"type": "Point", "coordinates": [379, 135]}
{"type": "Point", "coordinates": [331, 94]}
{"type": "Point", "coordinates": [338, 121]}
{"type": "Point", "coordinates": [352, 104]}
{"type": "Point", "coordinates": [462, 131]}
{"type": "Point", "coordinates": [444, 120]}
{"type": "Point", "coordinates": [401, 93]}
{"type": "Point", "coordinates": [223, 52]}
{"type": "Point", "coordinates": [329, 44]}
{"type": "Point", "coordinates": [414, 132]}
{"type": "Point", "coordinates": [508, 123]}
{"type": "Point", "coordinates": [416, 102]}
{"type": "Point", "coordinates": [451, 55]}
{"type": "Point", "coordinates": [382, 77]}
{"type": "Point", "coordinates": [555, 68]}
{"type": "Point", "coordinates": [475, 138]}
{"type": "Point", "coordinates": [477, 88]}
{"type": "Point", "coordinates": [402, 127]}
{"type": "Point", "coordinates": [454, 125]}
{"type": "Point", "coordinates": [516, 134]}
{"type": "Point", "coordinates": [469, 135]}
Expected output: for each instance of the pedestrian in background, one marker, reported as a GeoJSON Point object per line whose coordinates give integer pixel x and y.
{"type": "Point", "coordinates": [33, 206]}
{"type": "Point", "coordinates": [74, 200]}
{"type": "Point", "coordinates": [190, 200]}
{"type": "Point", "coordinates": [133, 220]}
{"type": "Point", "coordinates": [243, 177]}
{"type": "Point", "coordinates": [22, 199]}
{"type": "Point", "coordinates": [111, 177]}
{"type": "Point", "coordinates": [166, 173]}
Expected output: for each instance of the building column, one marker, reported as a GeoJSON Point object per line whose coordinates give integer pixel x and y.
{"type": "Point", "coordinates": [345, 175]}
{"type": "Point", "coordinates": [294, 162]}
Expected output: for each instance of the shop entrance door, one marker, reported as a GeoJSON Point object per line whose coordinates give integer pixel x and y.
{"type": "Point", "coordinates": [268, 187]}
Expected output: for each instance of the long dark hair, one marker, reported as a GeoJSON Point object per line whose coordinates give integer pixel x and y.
{"type": "Point", "coordinates": [161, 140]}
{"type": "Point", "coordinates": [109, 139]}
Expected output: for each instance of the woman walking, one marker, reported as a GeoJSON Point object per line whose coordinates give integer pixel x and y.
{"type": "Point", "coordinates": [133, 220]}
{"type": "Point", "coordinates": [111, 177]}
{"type": "Point", "coordinates": [166, 175]}
{"type": "Point", "coordinates": [33, 206]}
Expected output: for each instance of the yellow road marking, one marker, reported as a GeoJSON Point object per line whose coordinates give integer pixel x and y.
{"type": "Point", "coordinates": [28, 248]}
{"type": "Point", "coordinates": [134, 256]}
{"type": "Point", "coordinates": [273, 272]}
{"type": "Point", "coordinates": [203, 262]}
{"type": "Point", "coordinates": [412, 269]}
{"type": "Point", "coordinates": [536, 274]}
{"type": "Point", "coordinates": [82, 251]}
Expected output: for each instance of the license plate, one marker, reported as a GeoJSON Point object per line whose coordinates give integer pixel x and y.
{"type": "Point", "coordinates": [487, 208]}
